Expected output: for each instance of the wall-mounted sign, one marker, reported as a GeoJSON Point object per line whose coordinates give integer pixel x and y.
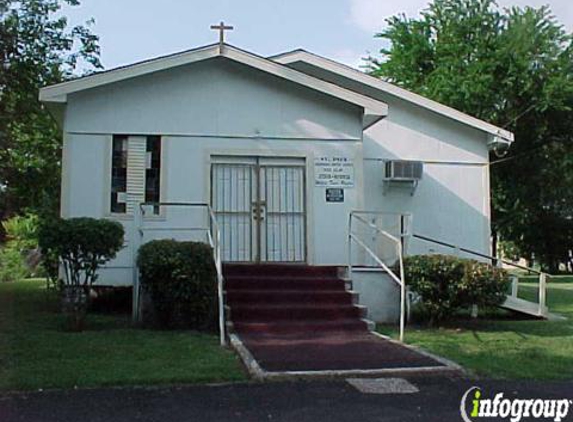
{"type": "Point", "coordinates": [334, 172]}
{"type": "Point", "coordinates": [334, 195]}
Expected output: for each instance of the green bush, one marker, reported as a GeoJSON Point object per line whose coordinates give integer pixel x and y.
{"type": "Point", "coordinates": [22, 229]}
{"type": "Point", "coordinates": [82, 245]}
{"type": "Point", "coordinates": [18, 255]}
{"type": "Point", "coordinates": [484, 285]}
{"type": "Point", "coordinates": [447, 284]}
{"type": "Point", "coordinates": [12, 264]}
{"type": "Point", "coordinates": [181, 279]}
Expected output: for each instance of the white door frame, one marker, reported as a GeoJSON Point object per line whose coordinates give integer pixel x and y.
{"type": "Point", "coordinates": [262, 170]}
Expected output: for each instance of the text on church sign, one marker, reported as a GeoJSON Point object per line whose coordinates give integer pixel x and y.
{"type": "Point", "coordinates": [334, 172]}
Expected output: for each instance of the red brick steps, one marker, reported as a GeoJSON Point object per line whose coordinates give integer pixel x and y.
{"type": "Point", "coordinates": [302, 318]}
{"type": "Point", "coordinates": [283, 282]}
{"type": "Point", "coordinates": [291, 311]}
{"type": "Point", "coordinates": [235, 270]}
{"type": "Point", "coordinates": [245, 296]}
{"type": "Point", "coordinates": [290, 299]}
{"type": "Point", "coordinates": [281, 327]}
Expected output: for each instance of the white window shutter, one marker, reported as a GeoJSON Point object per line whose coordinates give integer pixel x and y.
{"type": "Point", "coordinates": [136, 161]}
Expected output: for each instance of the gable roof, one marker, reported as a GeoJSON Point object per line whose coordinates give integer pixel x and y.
{"type": "Point", "coordinates": [374, 109]}
{"type": "Point", "coordinates": [498, 135]}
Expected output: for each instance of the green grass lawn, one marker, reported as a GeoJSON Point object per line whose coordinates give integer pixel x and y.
{"type": "Point", "coordinates": [35, 353]}
{"type": "Point", "coordinates": [503, 346]}
{"type": "Point", "coordinates": [552, 279]}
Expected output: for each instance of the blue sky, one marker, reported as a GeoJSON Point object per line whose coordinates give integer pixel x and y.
{"type": "Point", "coordinates": [133, 30]}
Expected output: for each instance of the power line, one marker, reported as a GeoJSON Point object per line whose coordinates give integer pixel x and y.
{"type": "Point", "coordinates": [524, 153]}
{"type": "Point", "coordinates": [521, 154]}
{"type": "Point", "coordinates": [519, 116]}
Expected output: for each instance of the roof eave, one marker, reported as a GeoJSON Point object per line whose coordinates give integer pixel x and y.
{"type": "Point", "coordinates": [58, 93]}
{"type": "Point", "coordinates": [300, 55]}
{"type": "Point", "coordinates": [371, 106]}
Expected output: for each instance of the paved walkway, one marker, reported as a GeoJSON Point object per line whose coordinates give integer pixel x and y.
{"type": "Point", "coordinates": [295, 318]}
{"type": "Point", "coordinates": [438, 400]}
{"type": "Point", "coordinates": [344, 350]}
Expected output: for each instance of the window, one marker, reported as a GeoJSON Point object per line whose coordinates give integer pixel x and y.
{"type": "Point", "coordinates": [119, 174]}
{"type": "Point", "coordinates": [139, 178]}
{"type": "Point", "coordinates": [153, 171]}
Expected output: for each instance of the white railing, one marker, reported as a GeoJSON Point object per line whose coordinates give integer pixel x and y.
{"type": "Point", "coordinates": [397, 243]}
{"type": "Point", "coordinates": [209, 228]}
{"type": "Point", "coordinates": [541, 311]}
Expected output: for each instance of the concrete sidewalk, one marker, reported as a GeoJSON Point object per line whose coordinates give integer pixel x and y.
{"type": "Point", "coordinates": [438, 400]}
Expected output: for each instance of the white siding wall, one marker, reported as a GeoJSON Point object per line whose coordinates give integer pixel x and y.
{"type": "Point", "coordinates": [216, 97]}
{"type": "Point", "coordinates": [451, 202]}
{"type": "Point", "coordinates": [223, 108]}
{"type": "Point", "coordinates": [203, 110]}
{"type": "Point", "coordinates": [85, 175]}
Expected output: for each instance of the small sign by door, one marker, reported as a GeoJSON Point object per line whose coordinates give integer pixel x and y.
{"type": "Point", "coordinates": [334, 195]}
{"type": "Point", "coordinates": [334, 172]}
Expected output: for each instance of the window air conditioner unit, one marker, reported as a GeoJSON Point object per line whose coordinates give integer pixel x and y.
{"type": "Point", "coordinates": [403, 172]}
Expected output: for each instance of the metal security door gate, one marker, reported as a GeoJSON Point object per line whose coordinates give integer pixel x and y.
{"type": "Point", "coordinates": [259, 204]}
{"type": "Point", "coordinates": [282, 201]}
{"type": "Point", "coordinates": [233, 187]}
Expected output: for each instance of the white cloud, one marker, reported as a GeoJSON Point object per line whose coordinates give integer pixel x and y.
{"type": "Point", "coordinates": [370, 15]}
{"type": "Point", "coordinates": [562, 9]}
{"type": "Point", "coordinates": [349, 57]}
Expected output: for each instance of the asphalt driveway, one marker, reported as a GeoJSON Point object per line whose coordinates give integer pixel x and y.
{"type": "Point", "coordinates": [438, 399]}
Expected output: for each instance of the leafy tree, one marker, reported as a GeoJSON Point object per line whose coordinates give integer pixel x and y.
{"type": "Point", "coordinates": [513, 68]}
{"type": "Point", "coordinates": [37, 48]}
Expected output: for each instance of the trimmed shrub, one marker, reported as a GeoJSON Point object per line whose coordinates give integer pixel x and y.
{"type": "Point", "coordinates": [181, 279]}
{"type": "Point", "coordinates": [447, 284]}
{"type": "Point", "coordinates": [81, 246]}
{"type": "Point", "coordinates": [484, 285]}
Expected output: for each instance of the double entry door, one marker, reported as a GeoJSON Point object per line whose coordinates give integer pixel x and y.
{"type": "Point", "coordinates": [259, 204]}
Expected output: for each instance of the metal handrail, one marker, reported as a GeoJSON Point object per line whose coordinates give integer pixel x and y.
{"type": "Point", "coordinates": [377, 259]}
{"type": "Point", "coordinates": [213, 239]}
{"type": "Point", "coordinates": [481, 255]}
{"type": "Point", "coordinates": [375, 227]}
{"type": "Point", "coordinates": [215, 235]}
{"type": "Point", "coordinates": [399, 249]}
{"type": "Point", "coordinates": [542, 297]}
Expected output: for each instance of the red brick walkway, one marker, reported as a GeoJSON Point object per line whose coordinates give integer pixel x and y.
{"type": "Point", "coordinates": [300, 318]}
{"type": "Point", "coordinates": [344, 350]}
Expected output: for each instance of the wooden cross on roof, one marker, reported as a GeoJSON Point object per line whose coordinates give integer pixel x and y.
{"type": "Point", "coordinates": [222, 28]}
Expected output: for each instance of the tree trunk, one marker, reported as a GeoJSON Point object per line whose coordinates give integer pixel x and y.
{"type": "Point", "coordinates": [494, 241]}
{"type": "Point", "coordinates": [74, 307]}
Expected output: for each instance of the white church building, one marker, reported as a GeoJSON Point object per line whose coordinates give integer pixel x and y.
{"type": "Point", "coordinates": [287, 151]}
